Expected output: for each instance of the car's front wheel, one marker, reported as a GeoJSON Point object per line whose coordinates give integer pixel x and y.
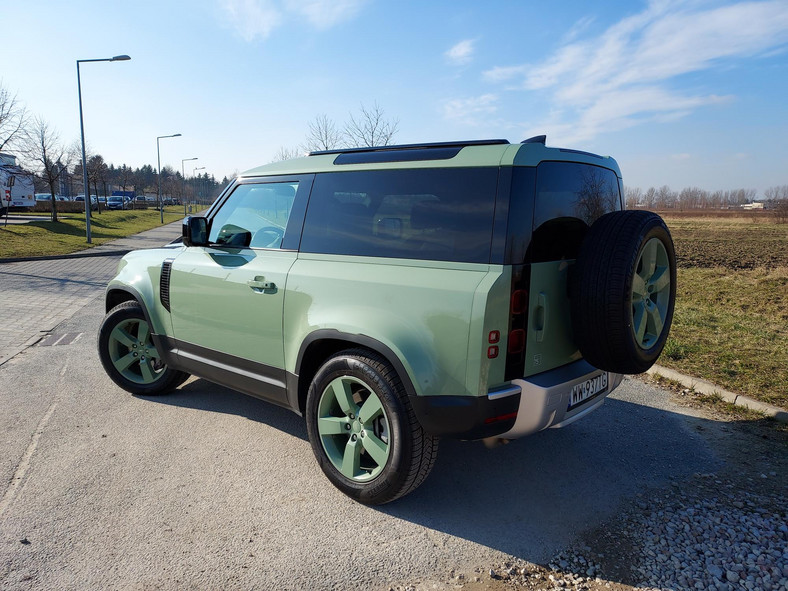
{"type": "Point", "coordinates": [363, 431]}
{"type": "Point", "coordinates": [129, 356]}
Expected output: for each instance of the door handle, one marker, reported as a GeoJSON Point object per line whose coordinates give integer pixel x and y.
{"type": "Point", "coordinates": [260, 284]}
{"type": "Point", "coordinates": [540, 317]}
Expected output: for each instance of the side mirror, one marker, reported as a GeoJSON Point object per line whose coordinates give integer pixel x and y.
{"type": "Point", "coordinates": [195, 231]}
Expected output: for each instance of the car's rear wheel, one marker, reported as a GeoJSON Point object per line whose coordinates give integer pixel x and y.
{"type": "Point", "coordinates": [129, 356]}
{"type": "Point", "coordinates": [623, 291]}
{"type": "Point", "coordinates": [363, 431]}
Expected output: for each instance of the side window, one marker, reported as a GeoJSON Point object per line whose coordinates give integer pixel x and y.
{"type": "Point", "coordinates": [435, 214]}
{"type": "Point", "coordinates": [255, 215]}
{"type": "Point", "coordinates": [570, 196]}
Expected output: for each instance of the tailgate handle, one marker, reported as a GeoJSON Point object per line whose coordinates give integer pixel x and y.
{"type": "Point", "coordinates": [540, 317]}
{"type": "Point", "coordinates": [260, 284]}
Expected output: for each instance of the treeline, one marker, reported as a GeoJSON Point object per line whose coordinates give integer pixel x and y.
{"type": "Point", "coordinates": [695, 198]}
{"type": "Point", "coordinates": [105, 178]}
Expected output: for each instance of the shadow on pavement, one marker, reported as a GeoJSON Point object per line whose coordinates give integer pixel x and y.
{"type": "Point", "coordinates": [201, 394]}
{"type": "Point", "coordinates": [530, 497]}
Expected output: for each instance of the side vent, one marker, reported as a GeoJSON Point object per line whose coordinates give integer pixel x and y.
{"type": "Point", "coordinates": [164, 283]}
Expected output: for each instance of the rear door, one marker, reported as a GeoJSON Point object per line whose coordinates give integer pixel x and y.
{"type": "Point", "coordinates": [569, 197]}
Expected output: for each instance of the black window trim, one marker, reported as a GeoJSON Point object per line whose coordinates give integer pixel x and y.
{"type": "Point", "coordinates": [494, 247]}
{"type": "Point", "coordinates": [295, 223]}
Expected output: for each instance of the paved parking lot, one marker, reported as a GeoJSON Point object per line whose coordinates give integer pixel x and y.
{"type": "Point", "coordinates": [35, 296]}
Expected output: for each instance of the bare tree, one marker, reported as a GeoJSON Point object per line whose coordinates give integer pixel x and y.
{"type": "Point", "coordinates": [632, 197]}
{"type": "Point", "coordinates": [370, 128]}
{"type": "Point", "coordinates": [323, 135]}
{"type": "Point", "coordinates": [47, 156]}
{"type": "Point", "coordinates": [285, 153]}
{"type": "Point", "coordinates": [650, 198]}
{"type": "Point", "coordinates": [13, 119]}
{"type": "Point", "coordinates": [665, 198]}
{"type": "Point", "coordinates": [693, 198]}
{"type": "Point", "coordinates": [96, 177]}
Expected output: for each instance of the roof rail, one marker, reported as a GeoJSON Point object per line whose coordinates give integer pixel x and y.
{"type": "Point", "coordinates": [411, 147]}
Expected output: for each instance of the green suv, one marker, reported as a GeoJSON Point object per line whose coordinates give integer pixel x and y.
{"type": "Point", "coordinates": [396, 295]}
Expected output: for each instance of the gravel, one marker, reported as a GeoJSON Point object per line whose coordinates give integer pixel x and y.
{"type": "Point", "coordinates": [718, 536]}
{"type": "Point", "coordinates": [709, 533]}
{"type": "Point", "coordinates": [720, 542]}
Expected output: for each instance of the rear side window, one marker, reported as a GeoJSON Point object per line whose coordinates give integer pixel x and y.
{"type": "Point", "coordinates": [571, 189]}
{"type": "Point", "coordinates": [568, 198]}
{"type": "Point", "coordinates": [435, 214]}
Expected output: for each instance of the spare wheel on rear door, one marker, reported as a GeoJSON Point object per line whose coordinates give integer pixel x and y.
{"type": "Point", "coordinates": [623, 290]}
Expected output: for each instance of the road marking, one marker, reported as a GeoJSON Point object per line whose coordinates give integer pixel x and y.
{"type": "Point", "coordinates": [16, 481]}
{"type": "Point", "coordinates": [68, 338]}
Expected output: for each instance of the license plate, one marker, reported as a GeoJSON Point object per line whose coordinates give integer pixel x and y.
{"type": "Point", "coordinates": [586, 390]}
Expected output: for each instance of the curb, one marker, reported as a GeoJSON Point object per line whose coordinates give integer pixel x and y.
{"type": "Point", "coordinates": [74, 255]}
{"type": "Point", "coordinates": [710, 389]}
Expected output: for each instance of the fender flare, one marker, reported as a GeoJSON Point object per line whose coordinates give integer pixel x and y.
{"type": "Point", "coordinates": [329, 334]}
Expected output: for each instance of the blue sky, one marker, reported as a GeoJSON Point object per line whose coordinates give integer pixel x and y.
{"type": "Point", "coordinates": [683, 93]}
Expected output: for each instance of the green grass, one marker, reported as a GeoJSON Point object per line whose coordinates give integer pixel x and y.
{"type": "Point", "coordinates": [68, 234]}
{"type": "Point", "coordinates": [730, 326]}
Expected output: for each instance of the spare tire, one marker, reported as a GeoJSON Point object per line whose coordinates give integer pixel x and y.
{"type": "Point", "coordinates": [623, 290]}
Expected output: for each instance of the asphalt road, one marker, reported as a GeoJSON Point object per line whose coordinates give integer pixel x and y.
{"type": "Point", "coordinates": [208, 489]}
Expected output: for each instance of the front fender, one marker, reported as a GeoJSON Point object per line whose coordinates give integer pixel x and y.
{"type": "Point", "coordinates": [139, 275]}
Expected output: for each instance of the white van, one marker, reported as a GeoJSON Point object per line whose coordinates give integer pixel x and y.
{"type": "Point", "coordinates": [16, 185]}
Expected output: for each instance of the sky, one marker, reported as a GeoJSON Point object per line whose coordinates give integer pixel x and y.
{"type": "Point", "coordinates": [681, 93]}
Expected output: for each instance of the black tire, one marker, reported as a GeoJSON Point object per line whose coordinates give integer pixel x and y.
{"type": "Point", "coordinates": [145, 374]}
{"type": "Point", "coordinates": [621, 320]}
{"type": "Point", "coordinates": [410, 452]}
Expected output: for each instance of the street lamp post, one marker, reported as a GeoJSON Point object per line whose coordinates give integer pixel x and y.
{"type": "Point", "coordinates": [158, 160]}
{"type": "Point", "coordinates": [117, 58]}
{"type": "Point", "coordinates": [183, 175]}
{"type": "Point", "coordinates": [195, 170]}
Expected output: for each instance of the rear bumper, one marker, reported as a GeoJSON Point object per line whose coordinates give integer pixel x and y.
{"type": "Point", "coordinates": [546, 398]}
{"type": "Point", "coordinates": [524, 407]}
{"type": "Point", "coordinates": [468, 417]}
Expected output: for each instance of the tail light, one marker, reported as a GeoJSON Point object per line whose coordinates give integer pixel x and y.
{"type": "Point", "coordinates": [518, 322]}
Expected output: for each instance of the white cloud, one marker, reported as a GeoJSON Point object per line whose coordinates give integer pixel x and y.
{"type": "Point", "coordinates": [468, 109]}
{"type": "Point", "coordinates": [578, 29]}
{"type": "Point", "coordinates": [252, 18]}
{"type": "Point", "coordinates": [324, 14]}
{"type": "Point", "coordinates": [625, 76]}
{"type": "Point", "coordinates": [462, 53]}
{"type": "Point", "coordinates": [258, 18]}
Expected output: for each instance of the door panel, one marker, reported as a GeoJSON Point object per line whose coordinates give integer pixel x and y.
{"type": "Point", "coordinates": [231, 301]}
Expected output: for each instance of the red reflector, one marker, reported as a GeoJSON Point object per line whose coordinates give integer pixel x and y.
{"type": "Point", "coordinates": [516, 341]}
{"type": "Point", "coordinates": [494, 336]}
{"type": "Point", "coordinates": [506, 417]}
{"type": "Point", "coordinates": [492, 352]}
{"type": "Point", "coordinates": [519, 301]}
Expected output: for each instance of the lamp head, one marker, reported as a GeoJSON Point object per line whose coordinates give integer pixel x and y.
{"type": "Point", "coordinates": [120, 58]}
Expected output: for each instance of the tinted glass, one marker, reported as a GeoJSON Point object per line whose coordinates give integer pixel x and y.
{"type": "Point", "coordinates": [568, 197]}
{"type": "Point", "coordinates": [254, 215]}
{"type": "Point", "coordinates": [569, 189]}
{"type": "Point", "coordinates": [434, 214]}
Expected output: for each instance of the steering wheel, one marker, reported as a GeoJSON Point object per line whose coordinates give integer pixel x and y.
{"type": "Point", "coordinates": [268, 237]}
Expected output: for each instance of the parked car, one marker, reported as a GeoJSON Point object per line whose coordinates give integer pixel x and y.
{"type": "Point", "coordinates": [393, 296]}
{"type": "Point", "coordinates": [93, 201]}
{"type": "Point", "coordinates": [48, 197]}
{"type": "Point", "coordinates": [116, 202]}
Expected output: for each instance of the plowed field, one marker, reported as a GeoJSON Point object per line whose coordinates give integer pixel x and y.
{"type": "Point", "coordinates": [731, 321]}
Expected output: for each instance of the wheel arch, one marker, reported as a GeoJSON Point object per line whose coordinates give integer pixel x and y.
{"type": "Point", "coordinates": [118, 294]}
{"type": "Point", "coordinates": [322, 344]}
